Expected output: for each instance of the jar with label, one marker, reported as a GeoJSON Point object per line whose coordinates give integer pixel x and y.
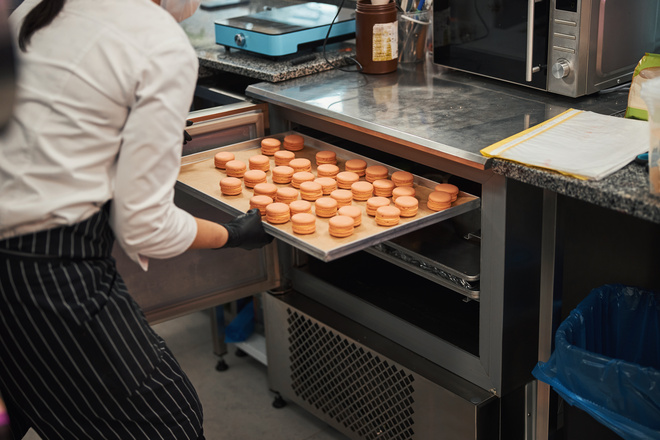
{"type": "Point", "coordinates": [376, 36]}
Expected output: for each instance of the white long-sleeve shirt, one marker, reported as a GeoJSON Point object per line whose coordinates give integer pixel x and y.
{"type": "Point", "coordinates": [102, 98]}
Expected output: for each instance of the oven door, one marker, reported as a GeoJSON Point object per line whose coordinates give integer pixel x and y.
{"type": "Point", "coordinates": [502, 39]}
{"type": "Point", "coordinates": [200, 279]}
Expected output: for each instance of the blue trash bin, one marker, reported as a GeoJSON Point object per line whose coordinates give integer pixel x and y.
{"type": "Point", "coordinates": [607, 360]}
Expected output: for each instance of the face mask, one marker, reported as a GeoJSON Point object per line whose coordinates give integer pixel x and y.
{"type": "Point", "coordinates": [180, 9]}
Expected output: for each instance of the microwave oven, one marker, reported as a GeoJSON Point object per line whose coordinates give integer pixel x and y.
{"type": "Point", "coordinates": [568, 47]}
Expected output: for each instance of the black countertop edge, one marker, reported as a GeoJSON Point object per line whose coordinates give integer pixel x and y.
{"type": "Point", "coordinates": [625, 191]}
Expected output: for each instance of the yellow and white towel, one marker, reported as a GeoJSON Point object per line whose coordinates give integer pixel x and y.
{"type": "Point", "coordinates": [579, 143]}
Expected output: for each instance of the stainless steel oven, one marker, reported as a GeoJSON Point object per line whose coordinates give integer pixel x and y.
{"type": "Point", "coordinates": [569, 47]}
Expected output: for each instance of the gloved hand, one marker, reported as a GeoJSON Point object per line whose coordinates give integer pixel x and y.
{"type": "Point", "coordinates": [247, 231]}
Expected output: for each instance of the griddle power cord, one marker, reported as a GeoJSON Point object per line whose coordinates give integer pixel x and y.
{"type": "Point", "coordinates": [325, 56]}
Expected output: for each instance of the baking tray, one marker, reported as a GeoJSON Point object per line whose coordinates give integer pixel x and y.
{"type": "Point", "coordinates": [200, 178]}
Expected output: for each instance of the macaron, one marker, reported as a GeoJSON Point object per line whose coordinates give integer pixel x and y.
{"type": "Point", "coordinates": [327, 170]}
{"type": "Point", "coordinates": [383, 187]}
{"type": "Point", "coordinates": [300, 164]}
{"type": "Point", "coordinates": [403, 191]}
{"type": "Point", "coordinates": [326, 156]}
{"type": "Point", "coordinates": [341, 226]}
{"type": "Point", "coordinates": [231, 186]}
{"type": "Point", "coordinates": [357, 166]}
{"type": "Point", "coordinates": [402, 178]}
{"type": "Point", "coordinates": [265, 189]}
{"type": "Point", "coordinates": [375, 172]}
{"type": "Point", "coordinates": [343, 197]}
{"type": "Point", "coordinates": [325, 207]}
{"type": "Point", "coordinates": [346, 178]}
{"type": "Point", "coordinates": [286, 195]}
{"type": "Point", "coordinates": [303, 223]}
{"type": "Point", "coordinates": [235, 168]}
{"type": "Point", "coordinates": [282, 174]}
{"type": "Point", "coordinates": [260, 203]}
{"type": "Point", "coordinates": [328, 184]}
{"type": "Point", "coordinates": [259, 162]}
{"type": "Point", "coordinates": [408, 205]}
{"type": "Point", "coordinates": [388, 215]}
{"type": "Point", "coordinates": [300, 206]}
{"type": "Point", "coordinates": [438, 200]}
{"type": "Point", "coordinates": [221, 158]}
{"type": "Point", "coordinates": [310, 190]}
{"type": "Point", "coordinates": [293, 142]}
{"type": "Point", "coordinates": [374, 203]}
{"type": "Point", "coordinates": [270, 145]}
{"type": "Point", "coordinates": [362, 190]}
{"type": "Point", "coordinates": [277, 213]}
{"type": "Point", "coordinates": [252, 177]}
{"type": "Point", "coordinates": [283, 157]}
{"type": "Point", "coordinates": [352, 211]}
{"type": "Point", "coordinates": [452, 190]}
{"type": "Point", "coordinates": [301, 176]}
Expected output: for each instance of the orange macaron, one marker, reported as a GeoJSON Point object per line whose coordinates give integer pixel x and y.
{"type": "Point", "coordinates": [352, 211]}
{"type": "Point", "coordinates": [408, 205]}
{"type": "Point", "coordinates": [293, 142]}
{"type": "Point", "coordinates": [362, 190]}
{"type": "Point", "coordinates": [260, 203]}
{"type": "Point", "coordinates": [283, 157]}
{"type": "Point", "coordinates": [328, 184]}
{"type": "Point", "coordinates": [301, 176]}
{"type": "Point", "coordinates": [383, 187]}
{"type": "Point", "coordinates": [357, 166]}
{"type": "Point", "coordinates": [450, 189]}
{"type": "Point", "coordinates": [341, 226]}
{"type": "Point", "coordinates": [343, 197]}
{"type": "Point", "coordinates": [303, 223]}
{"type": "Point", "coordinates": [252, 177]}
{"type": "Point", "coordinates": [325, 207]}
{"type": "Point", "coordinates": [300, 164]}
{"type": "Point", "coordinates": [375, 172]}
{"type": "Point", "coordinates": [282, 174]}
{"type": "Point", "coordinates": [300, 206]}
{"type": "Point", "coordinates": [402, 178]}
{"type": "Point", "coordinates": [438, 200]}
{"type": "Point", "coordinates": [286, 195]}
{"type": "Point", "coordinates": [376, 202]}
{"type": "Point", "coordinates": [327, 170]}
{"type": "Point", "coordinates": [270, 145]}
{"type": "Point", "coordinates": [265, 189]}
{"type": "Point", "coordinates": [235, 168]}
{"type": "Point", "coordinates": [310, 190]}
{"type": "Point", "coordinates": [231, 186]}
{"type": "Point", "coordinates": [326, 156]}
{"type": "Point", "coordinates": [346, 178]}
{"type": "Point", "coordinates": [259, 162]}
{"type": "Point", "coordinates": [277, 213]}
{"type": "Point", "coordinates": [403, 191]}
{"type": "Point", "coordinates": [221, 158]}
{"type": "Point", "coordinates": [388, 216]}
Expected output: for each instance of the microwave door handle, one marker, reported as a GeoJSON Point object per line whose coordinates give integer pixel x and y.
{"type": "Point", "coordinates": [529, 70]}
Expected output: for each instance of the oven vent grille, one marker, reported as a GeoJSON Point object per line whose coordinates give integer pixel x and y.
{"type": "Point", "coordinates": [348, 383]}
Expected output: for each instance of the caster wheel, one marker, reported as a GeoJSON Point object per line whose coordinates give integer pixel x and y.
{"type": "Point", "coordinates": [240, 353]}
{"type": "Point", "coordinates": [221, 365]}
{"type": "Point", "coordinates": [278, 402]}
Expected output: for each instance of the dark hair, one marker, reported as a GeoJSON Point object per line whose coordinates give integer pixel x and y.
{"type": "Point", "coordinates": [37, 18]}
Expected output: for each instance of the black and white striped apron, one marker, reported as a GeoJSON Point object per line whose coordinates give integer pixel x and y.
{"type": "Point", "coordinates": [77, 357]}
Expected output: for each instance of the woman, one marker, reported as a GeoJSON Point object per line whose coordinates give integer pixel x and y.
{"type": "Point", "coordinates": [92, 153]}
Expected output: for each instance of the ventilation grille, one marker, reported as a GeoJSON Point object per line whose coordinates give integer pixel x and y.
{"type": "Point", "coordinates": [357, 389]}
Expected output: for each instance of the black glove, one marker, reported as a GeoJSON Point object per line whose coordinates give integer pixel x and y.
{"type": "Point", "coordinates": [247, 231]}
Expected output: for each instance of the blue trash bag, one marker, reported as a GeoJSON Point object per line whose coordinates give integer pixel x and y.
{"type": "Point", "coordinates": [242, 326]}
{"type": "Point", "coordinates": [607, 360]}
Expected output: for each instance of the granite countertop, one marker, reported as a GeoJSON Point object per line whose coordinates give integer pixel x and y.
{"type": "Point", "coordinates": [456, 115]}
{"type": "Point", "coordinates": [213, 57]}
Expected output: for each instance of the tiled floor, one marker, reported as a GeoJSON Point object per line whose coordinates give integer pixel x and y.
{"type": "Point", "coordinates": [237, 402]}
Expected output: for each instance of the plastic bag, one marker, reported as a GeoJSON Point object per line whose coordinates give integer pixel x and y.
{"type": "Point", "coordinates": [242, 326]}
{"type": "Point", "coordinates": [607, 360]}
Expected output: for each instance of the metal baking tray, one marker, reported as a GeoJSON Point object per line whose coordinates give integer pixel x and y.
{"type": "Point", "coordinates": [200, 178]}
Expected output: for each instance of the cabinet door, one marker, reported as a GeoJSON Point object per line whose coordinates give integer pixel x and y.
{"type": "Point", "coordinates": [201, 279]}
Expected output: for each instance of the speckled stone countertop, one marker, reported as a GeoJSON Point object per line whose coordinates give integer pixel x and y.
{"type": "Point", "coordinates": [214, 57]}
